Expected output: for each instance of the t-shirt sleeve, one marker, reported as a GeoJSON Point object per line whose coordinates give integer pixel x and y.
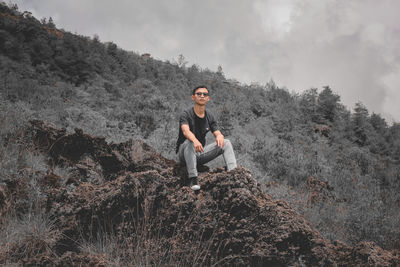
{"type": "Point", "coordinates": [213, 124]}
{"type": "Point", "coordinates": [184, 119]}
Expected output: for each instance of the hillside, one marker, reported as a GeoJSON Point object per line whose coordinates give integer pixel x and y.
{"type": "Point", "coordinates": [338, 168]}
{"type": "Point", "coordinates": [124, 204]}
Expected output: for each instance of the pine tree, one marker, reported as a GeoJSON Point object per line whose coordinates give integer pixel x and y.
{"type": "Point", "coordinates": [327, 104]}
{"type": "Point", "coordinates": [361, 125]}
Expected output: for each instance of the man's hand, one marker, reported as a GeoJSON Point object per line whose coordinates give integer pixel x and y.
{"type": "Point", "coordinates": [198, 146]}
{"type": "Point", "coordinates": [220, 140]}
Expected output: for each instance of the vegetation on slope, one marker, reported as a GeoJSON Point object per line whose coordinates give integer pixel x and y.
{"type": "Point", "coordinates": [340, 169]}
{"type": "Point", "coordinates": [126, 205]}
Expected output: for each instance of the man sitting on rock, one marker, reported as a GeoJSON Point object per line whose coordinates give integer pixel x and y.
{"type": "Point", "coordinates": [194, 123]}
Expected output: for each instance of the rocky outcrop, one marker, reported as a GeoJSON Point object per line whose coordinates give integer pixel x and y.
{"type": "Point", "coordinates": [320, 191]}
{"type": "Point", "coordinates": [128, 189]}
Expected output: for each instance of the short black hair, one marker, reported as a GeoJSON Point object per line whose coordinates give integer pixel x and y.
{"type": "Point", "coordinates": [198, 87]}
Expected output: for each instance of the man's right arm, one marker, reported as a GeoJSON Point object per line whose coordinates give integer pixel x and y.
{"type": "Point", "coordinates": [189, 135]}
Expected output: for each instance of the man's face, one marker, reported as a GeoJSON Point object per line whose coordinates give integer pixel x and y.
{"type": "Point", "coordinates": [201, 96]}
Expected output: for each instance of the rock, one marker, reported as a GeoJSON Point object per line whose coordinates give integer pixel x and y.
{"type": "Point", "coordinates": [235, 222]}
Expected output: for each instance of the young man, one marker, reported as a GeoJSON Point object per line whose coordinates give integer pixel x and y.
{"type": "Point", "coordinates": [194, 123]}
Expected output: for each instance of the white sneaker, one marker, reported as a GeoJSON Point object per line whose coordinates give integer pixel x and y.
{"type": "Point", "coordinates": [194, 184]}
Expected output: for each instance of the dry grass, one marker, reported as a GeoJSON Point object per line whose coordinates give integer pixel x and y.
{"type": "Point", "coordinates": [25, 230]}
{"type": "Point", "coordinates": [149, 246]}
{"type": "Point", "coordinates": [104, 244]}
{"type": "Point", "coordinates": [28, 236]}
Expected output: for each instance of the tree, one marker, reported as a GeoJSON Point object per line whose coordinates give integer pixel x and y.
{"type": "Point", "coordinates": [327, 104]}
{"type": "Point", "coordinates": [393, 139]}
{"type": "Point", "coordinates": [194, 75]}
{"type": "Point", "coordinates": [308, 104]}
{"type": "Point", "coordinates": [14, 7]}
{"type": "Point", "coordinates": [361, 126]}
{"type": "Point", "coordinates": [270, 85]}
{"type": "Point", "coordinates": [96, 38]}
{"type": "Point", "coordinates": [112, 49]}
{"type": "Point", "coordinates": [225, 121]}
{"type": "Point", "coordinates": [377, 137]}
{"type": "Point", "coordinates": [378, 123]}
{"type": "Point", "coordinates": [220, 71]}
{"type": "Point", "coordinates": [181, 61]}
{"type": "Point", "coordinates": [50, 23]}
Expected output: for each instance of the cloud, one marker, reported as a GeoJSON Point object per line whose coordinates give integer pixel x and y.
{"type": "Point", "coordinates": [349, 45]}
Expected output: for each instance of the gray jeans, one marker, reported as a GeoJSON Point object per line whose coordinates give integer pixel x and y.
{"type": "Point", "coordinates": [188, 155]}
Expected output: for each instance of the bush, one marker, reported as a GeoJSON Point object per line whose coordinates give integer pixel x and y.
{"type": "Point", "coordinates": [28, 236]}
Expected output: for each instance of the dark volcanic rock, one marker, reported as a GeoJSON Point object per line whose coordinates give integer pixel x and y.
{"type": "Point", "coordinates": [241, 225]}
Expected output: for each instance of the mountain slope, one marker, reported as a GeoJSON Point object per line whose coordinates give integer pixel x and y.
{"type": "Point", "coordinates": [294, 144]}
{"type": "Point", "coordinates": [135, 197]}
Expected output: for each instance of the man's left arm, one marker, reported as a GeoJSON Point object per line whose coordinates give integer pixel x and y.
{"type": "Point", "coordinates": [219, 138]}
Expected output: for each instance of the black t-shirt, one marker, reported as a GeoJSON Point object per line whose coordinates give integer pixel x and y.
{"type": "Point", "coordinates": [198, 126]}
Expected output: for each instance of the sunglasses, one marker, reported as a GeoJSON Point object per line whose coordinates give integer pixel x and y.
{"type": "Point", "coordinates": [201, 93]}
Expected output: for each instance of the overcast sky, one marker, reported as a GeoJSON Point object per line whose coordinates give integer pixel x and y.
{"type": "Point", "coordinates": [350, 45]}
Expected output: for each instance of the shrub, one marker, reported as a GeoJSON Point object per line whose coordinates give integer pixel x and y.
{"type": "Point", "coordinates": [28, 236]}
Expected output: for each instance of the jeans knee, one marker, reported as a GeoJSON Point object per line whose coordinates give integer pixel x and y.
{"type": "Point", "coordinates": [188, 146]}
{"type": "Point", "coordinates": [227, 143]}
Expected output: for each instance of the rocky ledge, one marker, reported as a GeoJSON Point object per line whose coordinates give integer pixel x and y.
{"type": "Point", "coordinates": [130, 193]}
